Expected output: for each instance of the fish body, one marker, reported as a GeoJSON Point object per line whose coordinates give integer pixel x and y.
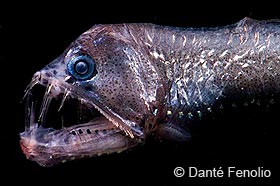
{"type": "Point", "coordinates": [130, 81]}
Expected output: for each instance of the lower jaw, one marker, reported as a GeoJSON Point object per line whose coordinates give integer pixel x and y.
{"type": "Point", "coordinates": [50, 148]}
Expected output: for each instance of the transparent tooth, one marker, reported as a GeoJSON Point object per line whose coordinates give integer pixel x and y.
{"type": "Point", "coordinates": [28, 110]}
{"type": "Point", "coordinates": [66, 93]}
{"type": "Point", "coordinates": [45, 105]}
{"type": "Point", "coordinates": [81, 102]}
{"type": "Point", "coordinates": [80, 111]}
{"type": "Point", "coordinates": [33, 82]}
{"type": "Point", "coordinates": [32, 114]}
{"type": "Point", "coordinates": [29, 113]}
{"type": "Point", "coordinates": [44, 110]}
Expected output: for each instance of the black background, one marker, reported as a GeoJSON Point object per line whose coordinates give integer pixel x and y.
{"type": "Point", "coordinates": [34, 34]}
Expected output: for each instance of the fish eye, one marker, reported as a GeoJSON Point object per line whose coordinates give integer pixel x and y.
{"type": "Point", "coordinates": [81, 67]}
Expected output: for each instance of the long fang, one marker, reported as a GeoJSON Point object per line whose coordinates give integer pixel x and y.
{"type": "Point", "coordinates": [46, 102]}
{"type": "Point", "coordinates": [34, 82]}
{"type": "Point", "coordinates": [66, 93]}
{"type": "Point", "coordinates": [80, 111]}
{"type": "Point", "coordinates": [29, 112]}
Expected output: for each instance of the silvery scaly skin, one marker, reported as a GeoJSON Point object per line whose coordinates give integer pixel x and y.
{"type": "Point", "coordinates": [136, 80]}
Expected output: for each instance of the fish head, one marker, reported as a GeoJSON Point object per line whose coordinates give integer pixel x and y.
{"type": "Point", "coordinates": [115, 88]}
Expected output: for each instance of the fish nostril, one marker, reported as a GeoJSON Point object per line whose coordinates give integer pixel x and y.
{"type": "Point", "coordinates": [48, 74]}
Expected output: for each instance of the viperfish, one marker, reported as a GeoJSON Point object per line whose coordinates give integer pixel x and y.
{"type": "Point", "coordinates": [117, 84]}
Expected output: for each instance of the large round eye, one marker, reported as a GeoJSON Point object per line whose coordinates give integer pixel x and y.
{"type": "Point", "coordinates": [81, 67]}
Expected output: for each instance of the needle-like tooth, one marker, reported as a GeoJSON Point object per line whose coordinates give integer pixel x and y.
{"type": "Point", "coordinates": [80, 111]}
{"type": "Point", "coordinates": [46, 102]}
{"type": "Point", "coordinates": [28, 111]}
{"type": "Point", "coordinates": [66, 93]}
{"type": "Point", "coordinates": [44, 110]}
{"type": "Point", "coordinates": [33, 82]}
{"type": "Point", "coordinates": [30, 114]}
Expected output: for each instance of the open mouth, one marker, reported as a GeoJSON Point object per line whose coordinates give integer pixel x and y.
{"type": "Point", "coordinates": [61, 125]}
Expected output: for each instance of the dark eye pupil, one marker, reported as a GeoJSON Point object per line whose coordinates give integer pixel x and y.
{"type": "Point", "coordinates": [81, 67]}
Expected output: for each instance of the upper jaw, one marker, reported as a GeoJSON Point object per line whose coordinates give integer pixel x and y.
{"type": "Point", "coordinates": [55, 86]}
